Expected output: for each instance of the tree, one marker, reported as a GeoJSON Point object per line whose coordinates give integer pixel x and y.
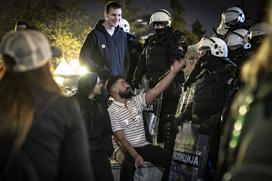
{"type": "Point", "coordinates": [197, 29]}
{"type": "Point", "coordinates": [177, 21]}
{"type": "Point", "coordinates": [67, 30]}
{"type": "Point", "coordinates": [62, 21]}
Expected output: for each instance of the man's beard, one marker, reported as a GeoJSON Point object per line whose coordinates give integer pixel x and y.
{"type": "Point", "coordinates": [126, 94]}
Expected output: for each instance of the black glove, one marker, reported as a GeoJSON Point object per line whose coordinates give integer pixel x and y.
{"type": "Point", "coordinates": [153, 82]}
{"type": "Point", "coordinates": [180, 120]}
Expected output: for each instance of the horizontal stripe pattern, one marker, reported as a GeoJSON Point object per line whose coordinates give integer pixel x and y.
{"type": "Point", "coordinates": [129, 119]}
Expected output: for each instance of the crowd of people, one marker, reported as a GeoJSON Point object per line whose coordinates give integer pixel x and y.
{"type": "Point", "coordinates": [45, 135]}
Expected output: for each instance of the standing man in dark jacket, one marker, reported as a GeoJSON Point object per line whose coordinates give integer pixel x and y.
{"type": "Point", "coordinates": [105, 49]}
{"type": "Point", "coordinates": [160, 51]}
{"type": "Point", "coordinates": [94, 110]}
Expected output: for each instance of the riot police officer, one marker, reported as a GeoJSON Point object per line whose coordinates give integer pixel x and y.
{"type": "Point", "coordinates": [212, 77]}
{"type": "Point", "coordinates": [160, 51]}
{"type": "Point", "coordinates": [239, 46]}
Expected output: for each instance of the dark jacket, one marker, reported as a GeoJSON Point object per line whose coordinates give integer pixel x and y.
{"type": "Point", "coordinates": [239, 56]}
{"type": "Point", "coordinates": [211, 77]}
{"type": "Point", "coordinates": [160, 51]}
{"type": "Point", "coordinates": [254, 141]}
{"type": "Point", "coordinates": [97, 120]}
{"type": "Point", "coordinates": [104, 54]}
{"type": "Point", "coordinates": [56, 144]}
{"type": "Point", "coordinates": [135, 50]}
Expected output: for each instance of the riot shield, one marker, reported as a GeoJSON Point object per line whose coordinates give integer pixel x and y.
{"type": "Point", "coordinates": [190, 154]}
{"type": "Point", "coordinates": [151, 117]}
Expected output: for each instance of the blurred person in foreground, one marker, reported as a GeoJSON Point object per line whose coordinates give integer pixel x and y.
{"type": "Point", "coordinates": [42, 136]}
{"type": "Point", "coordinates": [245, 152]}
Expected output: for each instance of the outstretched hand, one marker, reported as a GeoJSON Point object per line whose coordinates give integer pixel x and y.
{"type": "Point", "coordinates": [178, 65]}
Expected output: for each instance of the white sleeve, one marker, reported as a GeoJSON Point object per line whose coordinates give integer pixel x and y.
{"type": "Point", "coordinates": [115, 124]}
{"type": "Point", "coordinates": [140, 100]}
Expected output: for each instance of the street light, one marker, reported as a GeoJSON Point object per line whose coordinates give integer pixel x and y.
{"type": "Point", "coordinates": [66, 75]}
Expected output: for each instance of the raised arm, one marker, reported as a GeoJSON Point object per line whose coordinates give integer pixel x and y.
{"type": "Point", "coordinates": [151, 95]}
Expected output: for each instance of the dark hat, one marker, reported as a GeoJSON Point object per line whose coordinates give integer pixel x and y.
{"type": "Point", "coordinates": [86, 84]}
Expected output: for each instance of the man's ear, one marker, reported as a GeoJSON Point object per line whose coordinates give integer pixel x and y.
{"type": "Point", "coordinates": [105, 15]}
{"type": "Point", "coordinates": [114, 90]}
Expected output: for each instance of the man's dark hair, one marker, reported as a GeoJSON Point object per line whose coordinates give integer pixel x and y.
{"type": "Point", "coordinates": [112, 4]}
{"type": "Point", "coordinates": [27, 26]}
{"type": "Point", "coordinates": [111, 81]}
{"type": "Point", "coordinates": [22, 23]}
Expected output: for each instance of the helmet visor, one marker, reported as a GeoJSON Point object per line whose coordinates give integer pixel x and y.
{"type": "Point", "coordinates": [233, 40]}
{"type": "Point", "coordinates": [230, 18]}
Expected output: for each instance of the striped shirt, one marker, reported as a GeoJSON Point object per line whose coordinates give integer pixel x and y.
{"type": "Point", "coordinates": [129, 119]}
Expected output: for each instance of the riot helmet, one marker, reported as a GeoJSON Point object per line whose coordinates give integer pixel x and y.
{"type": "Point", "coordinates": [258, 32]}
{"type": "Point", "coordinates": [238, 38]}
{"type": "Point", "coordinates": [231, 17]}
{"type": "Point", "coordinates": [124, 25]}
{"type": "Point", "coordinates": [160, 16]}
{"type": "Point", "coordinates": [216, 46]}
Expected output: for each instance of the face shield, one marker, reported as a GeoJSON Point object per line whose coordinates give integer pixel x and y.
{"type": "Point", "coordinates": [238, 38]}
{"type": "Point", "coordinates": [233, 16]}
{"type": "Point", "coordinates": [230, 18]}
{"type": "Point", "coordinates": [234, 41]}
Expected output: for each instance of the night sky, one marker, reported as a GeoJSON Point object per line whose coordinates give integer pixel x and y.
{"type": "Point", "coordinates": [208, 12]}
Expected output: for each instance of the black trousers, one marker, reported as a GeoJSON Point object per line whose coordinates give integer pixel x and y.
{"type": "Point", "coordinates": [101, 167]}
{"type": "Point", "coordinates": [154, 154]}
{"type": "Point", "coordinates": [168, 107]}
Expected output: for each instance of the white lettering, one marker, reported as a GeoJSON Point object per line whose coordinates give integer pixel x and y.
{"type": "Point", "coordinates": [187, 158]}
